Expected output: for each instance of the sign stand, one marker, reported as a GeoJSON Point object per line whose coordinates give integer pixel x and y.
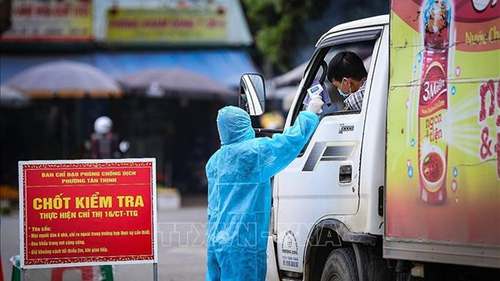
{"type": "Point", "coordinates": [155, 271]}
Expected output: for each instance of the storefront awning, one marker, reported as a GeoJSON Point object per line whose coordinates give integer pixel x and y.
{"type": "Point", "coordinates": [223, 66]}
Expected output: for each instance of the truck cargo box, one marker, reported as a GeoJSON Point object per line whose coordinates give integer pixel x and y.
{"type": "Point", "coordinates": [443, 134]}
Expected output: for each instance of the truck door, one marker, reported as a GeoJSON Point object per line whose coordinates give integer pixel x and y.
{"type": "Point", "coordinates": [324, 180]}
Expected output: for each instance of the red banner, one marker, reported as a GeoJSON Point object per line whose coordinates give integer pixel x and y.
{"type": "Point", "coordinates": [87, 212]}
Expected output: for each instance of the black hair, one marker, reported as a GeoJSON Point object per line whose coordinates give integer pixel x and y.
{"type": "Point", "coordinates": [346, 64]}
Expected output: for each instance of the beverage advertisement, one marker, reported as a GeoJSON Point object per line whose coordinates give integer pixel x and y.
{"type": "Point", "coordinates": [443, 139]}
{"type": "Point", "coordinates": [92, 212]}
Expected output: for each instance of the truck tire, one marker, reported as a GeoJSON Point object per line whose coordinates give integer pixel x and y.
{"type": "Point", "coordinates": [340, 266]}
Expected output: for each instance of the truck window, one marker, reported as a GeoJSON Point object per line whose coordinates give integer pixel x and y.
{"type": "Point", "coordinates": [335, 106]}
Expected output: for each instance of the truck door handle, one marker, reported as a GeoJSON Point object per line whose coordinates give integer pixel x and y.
{"type": "Point", "coordinates": [345, 174]}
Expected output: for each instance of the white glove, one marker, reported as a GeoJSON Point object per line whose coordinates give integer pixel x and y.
{"type": "Point", "coordinates": [315, 104]}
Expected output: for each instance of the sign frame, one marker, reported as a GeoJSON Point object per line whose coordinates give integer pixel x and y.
{"type": "Point", "coordinates": [125, 171]}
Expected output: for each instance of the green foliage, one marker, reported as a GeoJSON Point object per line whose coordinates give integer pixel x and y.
{"type": "Point", "coordinates": [277, 24]}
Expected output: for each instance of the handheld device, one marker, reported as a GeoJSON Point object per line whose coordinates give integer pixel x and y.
{"type": "Point", "coordinates": [315, 90]}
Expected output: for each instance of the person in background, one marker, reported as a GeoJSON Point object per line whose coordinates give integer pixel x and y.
{"type": "Point", "coordinates": [104, 143]}
{"type": "Point", "coordinates": [347, 73]}
{"type": "Point", "coordinates": [239, 190]}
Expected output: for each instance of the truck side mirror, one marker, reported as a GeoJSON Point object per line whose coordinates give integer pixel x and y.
{"type": "Point", "coordinates": [252, 96]}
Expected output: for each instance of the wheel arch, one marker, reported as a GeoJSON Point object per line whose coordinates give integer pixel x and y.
{"type": "Point", "coordinates": [324, 237]}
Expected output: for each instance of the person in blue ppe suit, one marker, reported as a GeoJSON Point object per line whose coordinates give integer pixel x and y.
{"type": "Point", "coordinates": [239, 190]}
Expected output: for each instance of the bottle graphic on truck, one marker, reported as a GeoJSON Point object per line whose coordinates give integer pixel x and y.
{"type": "Point", "coordinates": [433, 102]}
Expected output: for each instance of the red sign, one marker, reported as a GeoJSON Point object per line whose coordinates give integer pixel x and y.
{"type": "Point", "coordinates": [87, 212]}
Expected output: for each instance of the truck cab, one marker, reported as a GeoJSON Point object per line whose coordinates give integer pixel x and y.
{"type": "Point", "coordinates": [323, 209]}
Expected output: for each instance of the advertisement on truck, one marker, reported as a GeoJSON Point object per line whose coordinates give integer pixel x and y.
{"type": "Point", "coordinates": [443, 151]}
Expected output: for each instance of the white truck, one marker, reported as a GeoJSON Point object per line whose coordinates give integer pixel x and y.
{"type": "Point", "coordinates": [409, 186]}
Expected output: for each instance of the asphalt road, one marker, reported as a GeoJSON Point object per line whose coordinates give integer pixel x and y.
{"type": "Point", "coordinates": [181, 247]}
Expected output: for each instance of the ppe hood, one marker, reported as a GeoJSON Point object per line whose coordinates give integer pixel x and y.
{"type": "Point", "coordinates": [234, 125]}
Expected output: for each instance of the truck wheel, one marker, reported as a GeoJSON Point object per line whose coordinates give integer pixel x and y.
{"type": "Point", "coordinates": [340, 266]}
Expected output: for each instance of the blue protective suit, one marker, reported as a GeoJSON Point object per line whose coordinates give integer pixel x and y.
{"type": "Point", "coordinates": [239, 192]}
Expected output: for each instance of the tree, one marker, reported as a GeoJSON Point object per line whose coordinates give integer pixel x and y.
{"type": "Point", "coordinates": [286, 29]}
{"type": "Point", "coordinates": [277, 25]}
